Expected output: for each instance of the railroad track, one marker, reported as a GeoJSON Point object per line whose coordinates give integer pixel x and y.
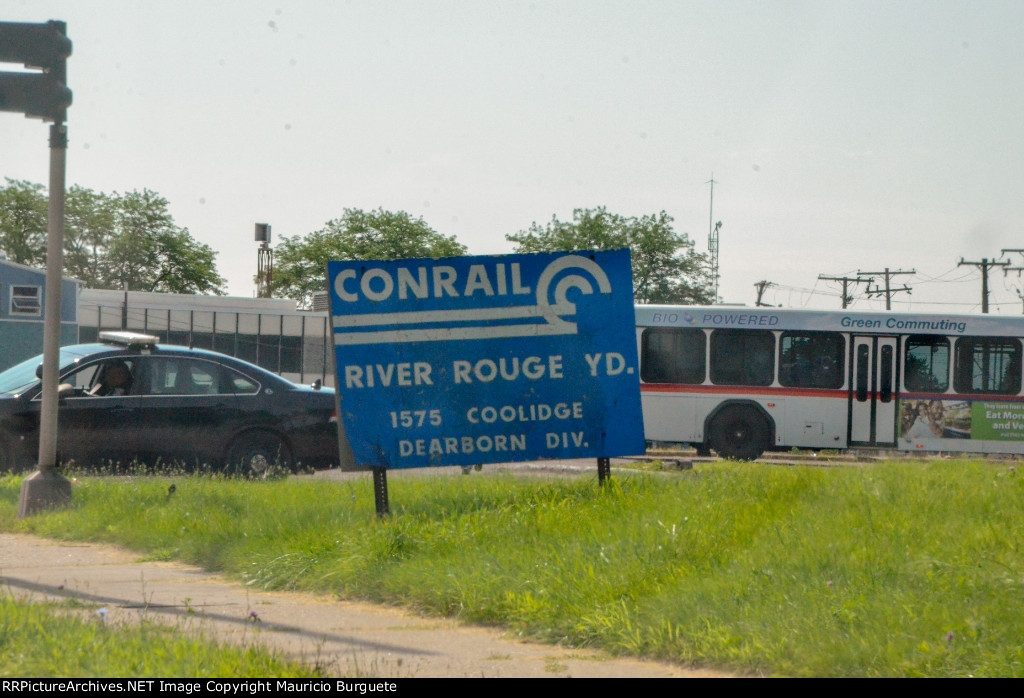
{"type": "Point", "coordinates": [684, 459]}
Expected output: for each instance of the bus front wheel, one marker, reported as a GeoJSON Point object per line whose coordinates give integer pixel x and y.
{"type": "Point", "coordinates": [739, 433]}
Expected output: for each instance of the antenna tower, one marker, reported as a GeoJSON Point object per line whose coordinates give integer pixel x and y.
{"type": "Point", "coordinates": [713, 229]}
{"type": "Point", "coordinates": [264, 261]}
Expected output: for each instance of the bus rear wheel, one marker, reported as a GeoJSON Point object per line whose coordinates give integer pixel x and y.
{"type": "Point", "coordinates": [739, 433]}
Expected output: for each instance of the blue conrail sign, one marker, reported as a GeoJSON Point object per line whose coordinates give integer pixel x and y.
{"type": "Point", "coordinates": [472, 360]}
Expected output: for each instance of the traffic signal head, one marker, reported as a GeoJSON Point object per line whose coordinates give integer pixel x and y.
{"type": "Point", "coordinates": [36, 95]}
{"type": "Point", "coordinates": [44, 46]}
{"type": "Point", "coordinates": [41, 95]}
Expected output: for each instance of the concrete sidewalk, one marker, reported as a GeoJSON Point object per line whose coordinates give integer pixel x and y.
{"type": "Point", "coordinates": [345, 637]}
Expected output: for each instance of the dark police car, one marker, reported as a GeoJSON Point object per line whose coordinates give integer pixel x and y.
{"type": "Point", "coordinates": [127, 400]}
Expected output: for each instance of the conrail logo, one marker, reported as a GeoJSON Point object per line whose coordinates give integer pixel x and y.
{"type": "Point", "coordinates": [545, 317]}
{"type": "Point", "coordinates": [439, 282]}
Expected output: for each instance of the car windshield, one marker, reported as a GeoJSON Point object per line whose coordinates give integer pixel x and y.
{"type": "Point", "coordinates": [17, 379]}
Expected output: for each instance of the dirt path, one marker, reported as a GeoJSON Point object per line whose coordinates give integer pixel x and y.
{"type": "Point", "coordinates": [343, 637]}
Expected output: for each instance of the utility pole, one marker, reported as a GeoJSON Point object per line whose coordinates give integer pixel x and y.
{"type": "Point", "coordinates": [888, 291]}
{"type": "Point", "coordinates": [1020, 294]}
{"type": "Point", "coordinates": [761, 287]}
{"type": "Point", "coordinates": [984, 266]}
{"type": "Point", "coordinates": [846, 281]}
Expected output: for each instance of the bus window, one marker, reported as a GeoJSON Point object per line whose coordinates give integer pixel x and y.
{"type": "Point", "coordinates": [885, 374]}
{"type": "Point", "coordinates": [926, 364]}
{"type": "Point", "coordinates": [673, 355]}
{"type": "Point", "coordinates": [987, 365]}
{"type": "Point", "coordinates": [811, 360]}
{"type": "Point", "coordinates": [742, 357]}
{"type": "Point", "coordinates": [862, 373]}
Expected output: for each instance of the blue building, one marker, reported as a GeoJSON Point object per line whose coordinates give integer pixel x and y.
{"type": "Point", "coordinates": [22, 302]}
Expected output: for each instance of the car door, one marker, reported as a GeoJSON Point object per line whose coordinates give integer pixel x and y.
{"type": "Point", "coordinates": [97, 427]}
{"type": "Point", "coordinates": [187, 410]}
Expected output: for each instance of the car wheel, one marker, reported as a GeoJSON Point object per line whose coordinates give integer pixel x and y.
{"type": "Point", "coordinates": [739, 433]}
{"type": "Point", "coordinates": [259, 454]}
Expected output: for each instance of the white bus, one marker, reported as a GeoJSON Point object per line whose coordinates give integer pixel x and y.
{"type": "Point", "coordinates": [742, 381]}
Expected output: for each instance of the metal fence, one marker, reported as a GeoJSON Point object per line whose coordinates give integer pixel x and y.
{"type": "Point", "coordinates": [293, 345]}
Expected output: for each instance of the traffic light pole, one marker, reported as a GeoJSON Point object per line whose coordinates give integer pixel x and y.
{"type": "Point", "coordinates": [46, 488]}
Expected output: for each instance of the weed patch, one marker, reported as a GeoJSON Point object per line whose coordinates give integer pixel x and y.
{"type": "Point", "coordinates": [901, 569]}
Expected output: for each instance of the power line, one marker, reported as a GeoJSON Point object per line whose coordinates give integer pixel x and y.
{"type": "Point", "coordinates": [925, 279]}
{"type": "Point", "coordinates": [800, 289]}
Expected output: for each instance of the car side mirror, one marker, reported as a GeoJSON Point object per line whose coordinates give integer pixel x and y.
{"type": "Point", "coordinates": [39, 371]}
{"type": "Point", "coordinates": [317, 384]}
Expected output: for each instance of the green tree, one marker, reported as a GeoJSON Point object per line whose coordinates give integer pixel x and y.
{"type": "Point", "coordinates": [110, 241]}
{"type": "Point", "coordinates": [23, 214]}
{"type": "Point", "coordinates": [148, 252]}
{"type": "Point", "coordinates": [666, 269]}
{"type": "Point", "coordinates": [88, 229]}
{"type": "Point", "coordinates": [185, 265]}
{"type": "Point", "coordinates": [300, 263]}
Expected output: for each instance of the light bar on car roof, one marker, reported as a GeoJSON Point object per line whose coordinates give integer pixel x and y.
{"type": "Point", "coordinates": [129, 339]}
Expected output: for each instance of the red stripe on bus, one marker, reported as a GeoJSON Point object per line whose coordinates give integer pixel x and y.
{"type": "Point", "coordinates": [814, 392]}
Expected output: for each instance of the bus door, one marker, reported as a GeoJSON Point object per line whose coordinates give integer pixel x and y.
{"type": "Point", "coordinates": [873, 391]}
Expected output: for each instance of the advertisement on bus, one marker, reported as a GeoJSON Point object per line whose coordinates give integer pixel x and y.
{"type": "Point", "coordinates": [924, 422]}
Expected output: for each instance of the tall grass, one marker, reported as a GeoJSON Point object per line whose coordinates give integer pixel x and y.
{"type": "Point", "coordinates": [905, 569]}
{"type": "Point", "coordinates": [60, 640]}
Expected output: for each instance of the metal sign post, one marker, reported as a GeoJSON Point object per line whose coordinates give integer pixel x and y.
{"type": "Point", "coordinates": [46, 488]}
{"type": "Point", "coordinates": [44, 95]}
{"type": "Point", "coordinates": [472, 360]}
{"type": "Point", "coordinates": [380, 492]}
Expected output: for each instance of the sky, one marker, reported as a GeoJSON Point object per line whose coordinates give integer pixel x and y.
{"type": "Point", "coordinates": [842, 137]}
